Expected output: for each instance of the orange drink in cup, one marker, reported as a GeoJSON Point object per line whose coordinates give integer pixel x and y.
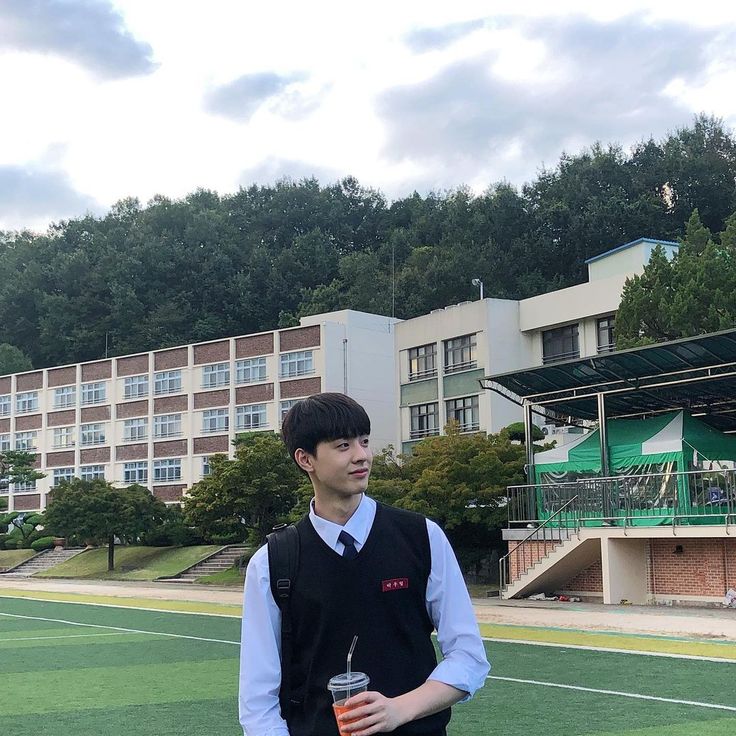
{"type": "Point", "coordinates": [342, 687]}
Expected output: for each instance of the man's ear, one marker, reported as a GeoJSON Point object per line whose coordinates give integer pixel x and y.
{"type": "Point", "coordinates": [304, 460]}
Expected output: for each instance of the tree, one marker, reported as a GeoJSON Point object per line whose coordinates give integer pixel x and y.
{"type": "Point", "coordinates": [516, 433]}
{"type": "Point", "coordinates": [94, 511]}
{"type": "Point", "coordinates": [245, 496]}
{"type": "Point", "coordinates": [690, 295]}
{"type": "Point", "coordinates": [459, 481]}
{"type": "Point", "coordinates": [17, 466]}
{"type": "Point", "coordinates": [13, 360]}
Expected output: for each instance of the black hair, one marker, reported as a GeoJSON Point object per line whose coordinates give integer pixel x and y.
{"type": "Point", "coordinates": [323, 418]}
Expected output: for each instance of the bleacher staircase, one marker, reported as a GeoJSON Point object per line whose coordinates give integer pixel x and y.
{"type": "Point", "coordinates": [221, 560]}
{"type": "Point", "coordinates": [42, 561]}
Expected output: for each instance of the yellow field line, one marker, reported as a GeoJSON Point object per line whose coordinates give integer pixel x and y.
{"type": "Point", "coordinates": [150, 604]}
{"type": "Point", "coordinates": [601, 640]}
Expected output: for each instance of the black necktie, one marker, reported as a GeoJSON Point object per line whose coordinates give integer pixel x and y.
{"type": "Point", "coordinates": [349, 553]}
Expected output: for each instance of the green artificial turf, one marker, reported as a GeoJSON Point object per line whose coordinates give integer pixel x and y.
{"type": "Point", "coordinates": [131, 563]}
{"type": "Point", "coordinates": [13, 557]}
{"type": "Point", "coordinates": [168, 673]}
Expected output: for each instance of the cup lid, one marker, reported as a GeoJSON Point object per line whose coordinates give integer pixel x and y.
{"type": "Point", "coordinates": [347, 681]}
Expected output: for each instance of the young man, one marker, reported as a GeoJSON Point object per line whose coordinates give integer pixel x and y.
{"type": "Point", "coordinates": [385, 574]}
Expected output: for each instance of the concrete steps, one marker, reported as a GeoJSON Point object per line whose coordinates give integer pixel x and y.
{"type": "Point", "coordinates": [42, 561]}
{"type": "Point", "coordinates": [553, 571]}
{"type": "Point", "coordinates": [221, 560]}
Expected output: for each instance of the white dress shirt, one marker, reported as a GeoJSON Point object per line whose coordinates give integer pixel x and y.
{"type": "Point", "coordinates": [464, 664]}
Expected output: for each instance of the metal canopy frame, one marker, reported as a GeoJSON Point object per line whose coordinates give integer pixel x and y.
{"type": "Point", "coordinates": [696, 374]}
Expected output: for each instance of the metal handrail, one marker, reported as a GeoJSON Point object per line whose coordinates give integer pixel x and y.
{"type": "Point", "coordinates": [502, 563]}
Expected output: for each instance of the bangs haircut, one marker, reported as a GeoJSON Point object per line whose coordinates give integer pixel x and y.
{"type": "Point", "coordinates": [323, 418]}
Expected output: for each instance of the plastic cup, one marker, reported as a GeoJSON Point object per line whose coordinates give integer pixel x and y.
{"type": "Point", "coordinates": [342, 687]}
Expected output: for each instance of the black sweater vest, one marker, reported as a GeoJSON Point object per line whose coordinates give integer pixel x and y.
{"type": "Point", "coordinates": [380, 596]}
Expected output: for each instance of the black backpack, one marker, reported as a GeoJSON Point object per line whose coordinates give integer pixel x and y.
{"type": "Point", "coordinates": [283, 565]}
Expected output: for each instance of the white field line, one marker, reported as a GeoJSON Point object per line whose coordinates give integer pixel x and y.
{"type": "Point", "coordinates": [588, 648]}
{"type": "Point", "coordinates": [121, 605]}
{"type": "Point", "coordinates": [637, 696]}
{"type": "Point", "coordinates": [119, 628]}
{"type": "Point", "coordinates": [64, 636]}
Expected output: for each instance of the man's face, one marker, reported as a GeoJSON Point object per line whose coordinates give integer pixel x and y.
{"type": "Point", "coordinates": [341, 467]}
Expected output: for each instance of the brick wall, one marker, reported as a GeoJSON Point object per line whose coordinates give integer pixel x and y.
{"type": "Point", "coordinates": [173, 448]}
{"type": "Point", "coordinates": [27, 503]}
{"type": "Point", "coordinates": [24, 424]}
{"type": "Point", "coordinates": [133, 409]}
{"type": "Point", "coordinates": [5, 385]}
{"type": "Point", "coordinates": [211, 445]}
{"type": "Point", "coordinates": [213, 352]}
{"type": "Point", "coordinates": [94, 455]}
{"type": "Point", "coordinates": [131, 452]}
{"type": "Point", "coordinates": [61, 418]}
{"type": "Point", "coordinates": [169, 404]}
{"type": "Point", "coordinates": [4, 425]}
{"type": "Point", "coordinates": [589, 580]}
{"type": "Point", "coordinates": [95, 413]}
{"type": "Point", "coordinates": [62, 376]}
{"type": "Point", "coordinates": [300, 387]}
{"type": "Point", "coordinates": [254, 394]}
{"type": "Point", "coordinates": [168, 493]}
{"type": "Point", "coordinates": [133, 365]}
{"type": "Point", "coordinates": [29, 381]}
{"type": "Point", "coordinates": [299, 339]}
{"type": "Point", "coordinates": [59, 459]}
{"type": "Point", "coordinates": [212, 398]}
{"type": "Point", "coordinates": [165, 360]}
{"type": "Point", "coordinates": [97, 371]}
{"type": "Point", "coordinates": [698, 569]}
{"type": "Point", "coordinates": [247, 347]}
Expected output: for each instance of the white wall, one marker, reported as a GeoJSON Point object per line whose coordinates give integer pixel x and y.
{"type": "Point", "coordinates": [370, 366]}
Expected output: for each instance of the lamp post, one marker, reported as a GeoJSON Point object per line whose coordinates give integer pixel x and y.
{"type": "Point", "coordinates": [478, 282]}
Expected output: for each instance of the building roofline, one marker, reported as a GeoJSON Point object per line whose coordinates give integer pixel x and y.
{"type": "Point", "coordinates": [630, 245]}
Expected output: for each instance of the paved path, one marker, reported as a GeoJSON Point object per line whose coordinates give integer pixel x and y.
{"type": "Point", "coordinates": [703, 623]}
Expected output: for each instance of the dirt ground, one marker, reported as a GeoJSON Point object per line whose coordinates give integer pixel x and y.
{"type": "Point", "coordinates": [704, 623]}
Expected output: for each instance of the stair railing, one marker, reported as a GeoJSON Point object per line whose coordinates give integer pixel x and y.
{"type": "Point", "coordinates": [549, 536]}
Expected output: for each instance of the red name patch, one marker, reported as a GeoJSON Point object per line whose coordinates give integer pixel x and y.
{"type": "Point", "coordinates": [395, 584]}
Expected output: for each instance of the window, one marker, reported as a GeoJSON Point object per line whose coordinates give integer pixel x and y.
{"type": "Point", "coordinates": [560, 344]}
{"type": "Point", "coordinates": [28, 485]}
{"type": "Point", "coordinates": [4, 442]}
{"type": "Point", "coordinates": [135, 472]}
{"type": "Point", "coordinates": [93, 393]}
{"type": "Point", "coordinates": [65, 396]}
{"type": "Point", "coordinates": [217, 374]}
{"type": "Point", "coordinates": [215, 420]}
{"type": "Point", "coordinates": [135, 387]}
{"type": "Point", "coordinates": [166, 470]}
{"type": "Point", "coordinates": [63, 437]}
{"type": "Point", "coordinates": [252, 416]}
{"type": "Point", "coordinates": [286, 405]}
{"type": "Point", "coordinates": [4, 405]}
{"type": "Point", "coordinates": [167, 425]}
{"type": "Point", "coordinates": [248, 371]}
{"type": "Point", "coordinates": [167, 382]}
{"type": "Point", "coordinates": [27, 401]}
{"type": "Point", "coordinates": [425, 420]}
{"type": "Point", "coordinates": [63, 475]}
{"type": "Point", "coordinates": [92, 472]}
{"type": "Point", "coordinates": [25, 440]}
{"type": "Point", "coordinates": [92, 434]}
{"type": "Point", "coordinates": [422, 362]}
{"type": "Point", "coordinates": [606, 338]}
{"type": "Point", "coordinates": [460, 353]}
{"type": "Point", "coordinates": [465, 412]}
{"type": "Point", "coordinates": [135, 429]}
{"type": "Point", "coordinates": [206, 469]}
{"type": "Point", "coordinates": [296, 364]}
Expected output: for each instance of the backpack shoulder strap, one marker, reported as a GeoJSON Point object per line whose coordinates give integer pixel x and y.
{"type": "Point", "coordinates": [283, 565]}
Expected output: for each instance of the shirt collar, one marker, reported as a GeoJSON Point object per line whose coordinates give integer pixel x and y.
{"type": "Point", "coordinates": [358, 525]}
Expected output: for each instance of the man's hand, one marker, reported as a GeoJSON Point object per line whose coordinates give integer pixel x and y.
{"type": "Point", "coordinates": [371, 712]}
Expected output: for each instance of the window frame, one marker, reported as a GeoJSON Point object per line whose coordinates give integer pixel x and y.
{"type": "Point", "coordinates": [26, 401]}
{"type": "Point", "coordinates": [173, 464]}
{"type": "Point", "coordinates": [419, 414]}
{"type": "Point", "coordinates": [93, 392]}
{"type": "Point", "coordinates": [474, 408]}
{"type": "Point", "coordinates": [418, 361]}
{"type": "Point", "coordinates": [161, 419]}
{"type": "Point", "coordinates": [6, 405]}
{"type": "Point", "coordinates": [140, 383]}
{"type": "Point", "coordinates": [97, 432]}
{"type": "Point", "coordinates": [32, 435]}
{"type": "Point", "coordinates": [295, 358]}
{"type": "Point", "coordinates": [557, 334]}
{"type": "Point", "coordinates": [212, 417]}
{"type": "Point", "coordinates": [244, 365]}
{"type": "Point", "coordinates": [128, 426]}
{"type": "Point", "coordinates": [57, 473]}
{"type": "Point", "coordinates": [607, 326]}
{"type": "Point", "coordinates": [216, 375]}
{"type": "Point", "coordinates": [57, 432]}
{"type": "Point", "coordinates": [162, 381]}
{"type": "Point", "coordinates": [242, 411]}
{"type": "Point", "coordinates": [68, 394]}
{"type": "Point", "coordinates": [92, 472]}
{"type": "Point", "coordinates": [139, 474]}
{"type": "Point", "coordinates": [467, 349]}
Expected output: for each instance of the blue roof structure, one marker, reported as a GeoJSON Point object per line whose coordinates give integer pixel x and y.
{"type": "Point", "coordinates": [618, 248]}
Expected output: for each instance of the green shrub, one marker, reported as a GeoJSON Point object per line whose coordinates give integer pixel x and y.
{"type": "Point", "coordinates": [12, 543]}
{"type": "Point", "coordinates": [3, 537]}
{"type": "Point", "coordinates": [242, 562]}
{"type": "Point", "coordinates": [43, 543]}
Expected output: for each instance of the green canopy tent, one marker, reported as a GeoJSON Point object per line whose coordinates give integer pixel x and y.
{"type": "Point", "coordinates": [664, 445]}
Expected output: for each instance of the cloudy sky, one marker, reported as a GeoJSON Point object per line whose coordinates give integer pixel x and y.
{"type": "Point", "coordinates": [105, 99]}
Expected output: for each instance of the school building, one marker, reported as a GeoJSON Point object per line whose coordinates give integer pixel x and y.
{"type": "Point", "coordinates": [155, 418]}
